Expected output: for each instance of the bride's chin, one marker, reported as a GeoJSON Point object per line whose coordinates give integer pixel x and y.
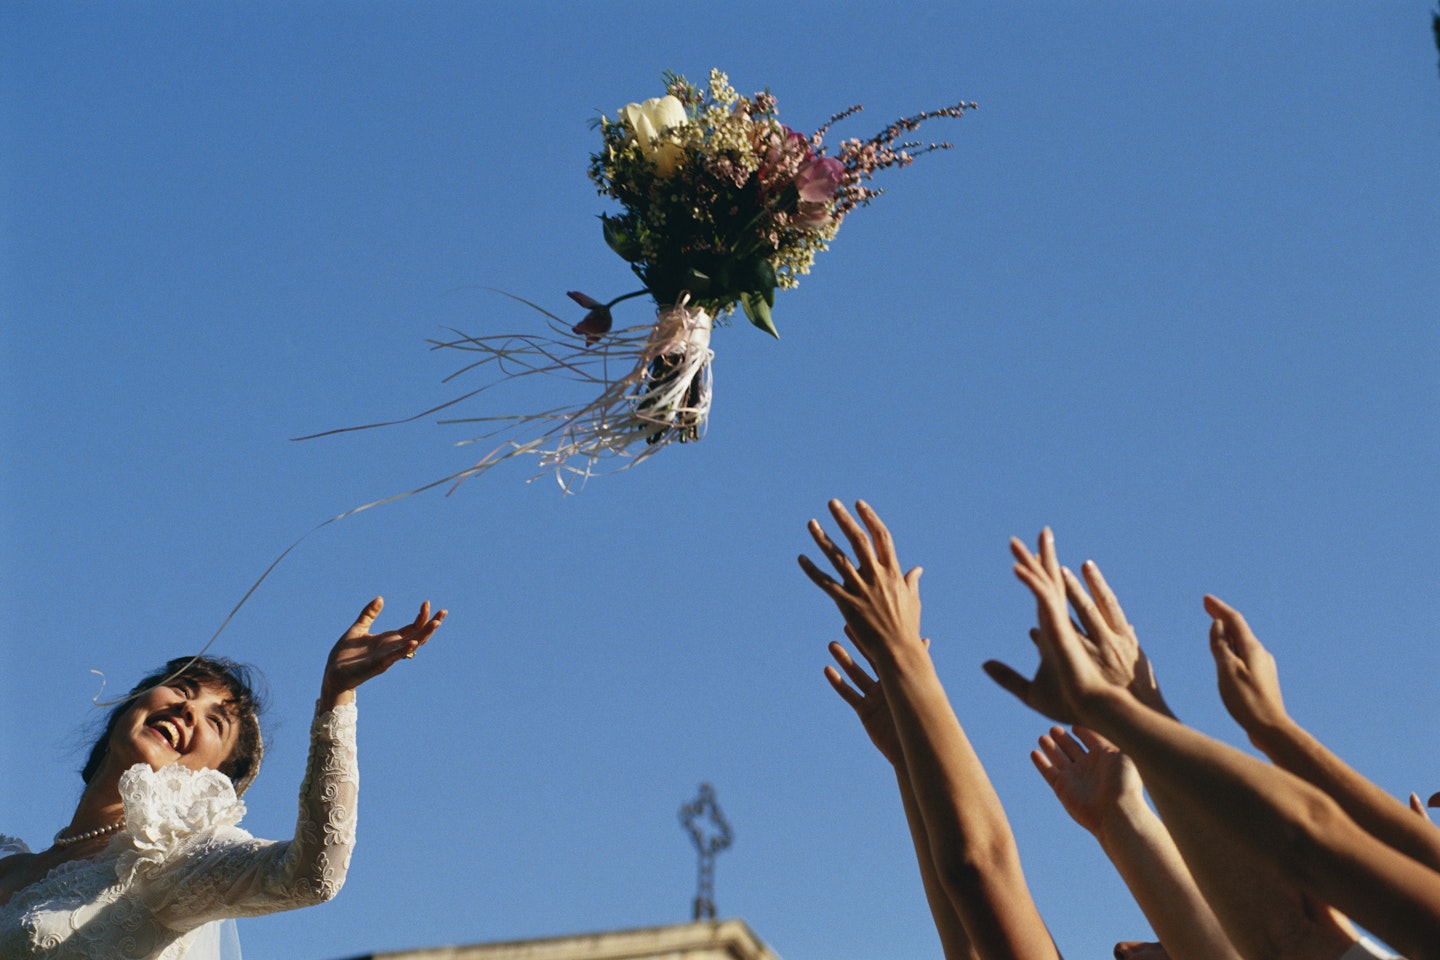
{"type": "Point", "coordinates": [150, 748]}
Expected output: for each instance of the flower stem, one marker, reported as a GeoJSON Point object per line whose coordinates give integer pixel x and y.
{"type": "Point", "coordinates": [626, 296]}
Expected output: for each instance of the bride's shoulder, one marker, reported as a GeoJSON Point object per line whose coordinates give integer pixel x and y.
{"type": "Point", "coordinates": [11, 846]}
{"type": "Point", "coordinates": [15, 861]}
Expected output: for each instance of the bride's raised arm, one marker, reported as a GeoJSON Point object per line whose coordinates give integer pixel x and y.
{"type": "Point", "coordinates": [228, 873]}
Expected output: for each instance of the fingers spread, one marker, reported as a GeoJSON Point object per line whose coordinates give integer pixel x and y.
{"type": "Point", "coordinates": [834, 554]}
{"type": "Point", "coordinates": [1090, 617]}
{"type": "Point", "coordinates": [1054, 756]}
{"type": "Point", "coordinates": [427, 630]}
{"type": "Point", "coordinates": [853, 670]}
{"type": "Point", "coordinates": [859, 541]}
{"type": "Point", "coordinates": [855, 639]}
{"type": "Point", "coordinates": [1048, 557]}
{"type": "Point", "coordinates": [848, 694]}
{"type": "Point", "coordinates": [1051, 604]}
{"type": "Point", "coordinates": [1023, 557]}
{"type": "Point", "coordinates": [1067, 745]}
{"type": "Point", "coordinates": [1092, 740]}
{"type": "Point", "coordinates": [1042, 763]}
{"type": "Point", "coordinates": [1104, 597]}
{"type": "Point", "coordinates": [820, 578]}
{"type": "Point", "coordinates": [879, 534]}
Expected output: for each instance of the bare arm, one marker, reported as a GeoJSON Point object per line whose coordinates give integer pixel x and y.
{"type": "Point", "coordinates": [971, 844]}
{"type": "Point", "coordinates": [1288, 823]}
{"type": "Point", "coordinates": [1297, 832]}
{"type": "Point", "coordinates": [867, 698]}
{"type": "Point", "coordinates": [1250, 688]}
{"type": "Point", "coordinates": [1101, 790]}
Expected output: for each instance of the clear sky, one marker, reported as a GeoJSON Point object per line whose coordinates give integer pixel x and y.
{"type": "Point", "coordinates": [1175, 293]}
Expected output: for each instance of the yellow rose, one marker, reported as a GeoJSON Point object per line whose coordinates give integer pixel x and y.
{"type": "Point", "coordinates": [651, 125]}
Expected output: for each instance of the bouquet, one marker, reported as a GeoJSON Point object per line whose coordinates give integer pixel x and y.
{"type": "Point", "coordinates": [720, 205]}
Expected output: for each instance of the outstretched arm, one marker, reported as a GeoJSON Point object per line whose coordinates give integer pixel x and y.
{"type": "Point", "coordinates": [867, 699]}
{"type": "Point", "coordinates": [970, 840]}
{"type": "Point", "coordinates": [1263, 914]}
{"type": "Point", "coordinates": [236, 875]}
{"type": "Point", "coordinates": [1250, 688]}
{"type": "Point", "coordinates": [1101, 790]}
{"type": "Point", "coordinates": [1289, 824]}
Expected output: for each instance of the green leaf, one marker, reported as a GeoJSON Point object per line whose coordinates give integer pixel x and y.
{"type": "Point", "coordinates": [770, 281]}
{"type": "Point", "coordinates": [758, 310]}
{"type": "Point", "coordinates": [621, 242]}
{"type": "Point", "coordinates": [696, 282]}
{"type": "Point", "coordinates": [756, 275]}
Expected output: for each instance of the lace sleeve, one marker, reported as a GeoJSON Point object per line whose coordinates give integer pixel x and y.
{"type": "Point", "coordinates": [227, 873]}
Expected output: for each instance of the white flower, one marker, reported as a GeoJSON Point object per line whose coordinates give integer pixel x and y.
{"type": "Point", "coordinates": [651, 125]}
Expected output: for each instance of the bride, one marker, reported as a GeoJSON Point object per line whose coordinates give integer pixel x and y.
{"type": "Point", "coordinates": [153, 853]}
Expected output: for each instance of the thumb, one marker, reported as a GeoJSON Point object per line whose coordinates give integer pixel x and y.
{"type": "Point", "coordinates": [1007, 678]}
{"type": "Point", "coordinates": [367, 617]}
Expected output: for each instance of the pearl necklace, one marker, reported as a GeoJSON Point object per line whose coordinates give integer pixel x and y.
{"type": "Point", "coordinates": [63, 841]}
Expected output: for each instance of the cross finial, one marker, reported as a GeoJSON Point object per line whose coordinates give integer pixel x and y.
{"type": "Point", "coordinates": [707, 844]}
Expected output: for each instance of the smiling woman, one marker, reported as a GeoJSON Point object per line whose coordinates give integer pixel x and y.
{"type": "Point", "coordinates": [154, 852]}
{"type": "Point", "coordinates": [204, 710]}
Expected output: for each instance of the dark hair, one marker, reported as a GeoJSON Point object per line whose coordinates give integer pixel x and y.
{"type": "Point", "coordinates": [243, 684]}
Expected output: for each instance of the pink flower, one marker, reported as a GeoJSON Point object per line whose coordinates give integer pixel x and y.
{"type": "Point", "coordinates": [811, 214]}
{"type": "Point", "coordinates": [596, 323]}
{"type": "Point", "coordinates": [819, 180]}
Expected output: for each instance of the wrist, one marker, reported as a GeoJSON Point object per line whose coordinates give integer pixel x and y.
{"type": "Point", "coordinates": [1109, 708]}
{"type": "Point", "coordinates": [1270, 734]}
{"type": "Point", "coordinates": [899, 651]}
{"type": "Point", "coordinates": [334, 696]}
{"type": "Point", "coordinates": [1155, 700]}
{"type": "Point", "coordinates": [1121, 819]}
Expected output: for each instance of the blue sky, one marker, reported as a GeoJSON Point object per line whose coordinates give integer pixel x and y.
{"type": "Point", "coordinates": [1174, 293]}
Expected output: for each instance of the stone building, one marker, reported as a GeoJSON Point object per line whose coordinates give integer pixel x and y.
{"type": "Point", "coordinates": [702, 940]}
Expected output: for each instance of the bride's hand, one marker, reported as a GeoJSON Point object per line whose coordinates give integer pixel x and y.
{"type": "Point", "coordinates": [360, 654]}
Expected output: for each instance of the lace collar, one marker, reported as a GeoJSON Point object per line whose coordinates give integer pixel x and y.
{"type": "Point", "coordinates": [164, 808]}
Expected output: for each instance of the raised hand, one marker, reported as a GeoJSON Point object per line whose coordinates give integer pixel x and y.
{"type": "Point", "coordinates": [1073, 666]}
{"type": "Point", "coordinates": [867, 699]}
{"type": "Point", "coordinates": [1249, 682]}
{"type": "Point", "coordinates": [1117, 649]}
{"type": "Point", "coordinates": [1090, 776]}
{"type": "Point", "coordinates": [360, 655]}
{"type": "Point", "coordinates": [881, 605]}
{"type": "Point", "coordinates": [1042, 693]}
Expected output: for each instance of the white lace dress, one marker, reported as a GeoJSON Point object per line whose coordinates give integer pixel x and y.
{"type": "Point", "coordinates": [181, 861]}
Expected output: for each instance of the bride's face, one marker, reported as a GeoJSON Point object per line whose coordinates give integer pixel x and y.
{"type": "Point", "coordinates": [185, 722]}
